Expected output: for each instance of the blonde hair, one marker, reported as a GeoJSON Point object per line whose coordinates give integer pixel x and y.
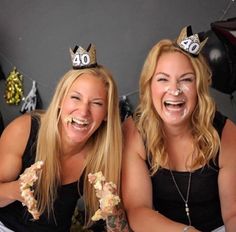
{"type": "Point", "coordinates": [206, 138]}
{"type": "Point", "coordinates": [105, 144]}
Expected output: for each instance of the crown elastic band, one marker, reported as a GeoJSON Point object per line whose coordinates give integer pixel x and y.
{"type": "Point", "coordinates": [82, 58]}
{"type": "Point", "coordinates": [189, 42]}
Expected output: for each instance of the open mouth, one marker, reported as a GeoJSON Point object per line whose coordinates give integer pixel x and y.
{"type": "Point", "coordinates": [174, 104]}
{"type": "Point", "coordinates": [78, 123]}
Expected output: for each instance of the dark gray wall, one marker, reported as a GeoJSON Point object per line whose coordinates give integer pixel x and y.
{"type": "Point", "coordinates": [35, 36]}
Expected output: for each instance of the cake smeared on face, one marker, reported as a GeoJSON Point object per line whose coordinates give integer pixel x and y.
{"type": "Point", "coordinates": [78, 122]}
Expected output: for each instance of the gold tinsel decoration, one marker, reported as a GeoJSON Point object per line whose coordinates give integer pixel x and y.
{"type": "Point", "coordinates": [14, 88]}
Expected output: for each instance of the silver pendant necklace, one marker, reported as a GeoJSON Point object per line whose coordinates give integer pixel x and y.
{"type": "Point", "coordinates": [181, 195]}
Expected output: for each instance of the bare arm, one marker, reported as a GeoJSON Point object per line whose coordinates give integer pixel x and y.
{"type": "Point", "coordinates": [118, 222]}
{"type": "Point", "coordinates": [227, 176]}
{"type": "Point", "coordinates": [12, 145]}
{"type": "Point", "coordinates": [137, 187]}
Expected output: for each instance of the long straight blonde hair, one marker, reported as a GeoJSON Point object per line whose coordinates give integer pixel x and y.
{"type": "Point", "coordinates": [206, 138]}
{"type": "Point", "coordinates": [105, 145]}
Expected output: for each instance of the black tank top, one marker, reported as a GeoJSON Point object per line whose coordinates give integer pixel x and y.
{"type": "Point", "coordinates": [204, 202]}
{"type": "Point", "coordinates": [17, 218]}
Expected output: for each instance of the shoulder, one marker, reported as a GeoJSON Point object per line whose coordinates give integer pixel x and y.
{"type": "Point", "coordinates": [13, 142]}
{"type": "Point", "coordinates": [17, 132]}
{"type": "Point", "coordinates": [128, 127]}
{"type": "Point", "coordinates": [228, 144]}
{"type": "Point", "coordinates": [219, 122]}
{"type": "Point", "coordinates": [20, 124]}
{"type": "Point", "coordinates": [229, 131]}
{"type": "Point", "coordinates": [133, 141]}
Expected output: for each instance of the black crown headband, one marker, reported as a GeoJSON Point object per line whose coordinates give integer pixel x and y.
{"type": "Point", "coordinates": [82, 58]}
{"type": "Point", "coordinates": [189, 42]}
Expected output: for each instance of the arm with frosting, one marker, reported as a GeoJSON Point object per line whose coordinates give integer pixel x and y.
{"type": "Point", "coordinates": [110, 208]}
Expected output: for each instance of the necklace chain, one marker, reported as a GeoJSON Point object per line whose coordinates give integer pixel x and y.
{"type": "Point", "coordinates": [181, 195]}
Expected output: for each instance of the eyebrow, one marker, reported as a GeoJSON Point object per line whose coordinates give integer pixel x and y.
{"type": "Point", "coordinates": [94, 99]}
{"type": "Point", "coordinates": [158, 73]}
{"type": "Point", "coordinates": [100, 99]}
{"type": "Point", "coordinates": [167, 75]}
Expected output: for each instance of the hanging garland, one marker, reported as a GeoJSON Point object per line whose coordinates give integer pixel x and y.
{"type": "Point", "coordinates": [32, 101]}
{"type": "Point", "coordinates": [14, 88]}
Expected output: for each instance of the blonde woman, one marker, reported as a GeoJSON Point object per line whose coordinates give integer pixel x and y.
{"type": "Point", "coordinates": [179, 165]}
{"type": "Point", "coordinates": [78, 134]}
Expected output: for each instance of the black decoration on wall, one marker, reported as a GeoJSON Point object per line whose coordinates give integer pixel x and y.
{"type": "Point", "coordinates": [125, 108]}
{"type": "Point", "coordinates": [220, 51]}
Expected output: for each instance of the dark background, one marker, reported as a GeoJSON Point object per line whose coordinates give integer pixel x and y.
{"type": "Point", "coordinates": [35, 37]}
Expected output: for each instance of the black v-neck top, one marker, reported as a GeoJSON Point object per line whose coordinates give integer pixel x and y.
{"type": "Point", "coordinates": [204, 202]}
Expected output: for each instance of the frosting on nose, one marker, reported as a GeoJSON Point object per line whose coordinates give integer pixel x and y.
{"type": "Point", "coordinates": [175, 92]}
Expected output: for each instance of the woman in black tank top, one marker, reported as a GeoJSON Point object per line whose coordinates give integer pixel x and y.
{"type": "Point", "coordinates": [79, 133]}
{"type": "Point", "coordinates": [179, 164]}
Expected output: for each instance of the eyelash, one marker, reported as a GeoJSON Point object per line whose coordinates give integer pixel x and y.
{"type": "Point", "coordinates": [187, 79]}
{"type": "Point", "coordinates": [95, 103]}
{"type": "Point", "coordinates": [98, 103]}
{"type": "Point", "coordinates": [75, 97]}
{"type": "Point", "coordinates": [161, 79]}
{"type": "Point", "coordinates": [181, 80]}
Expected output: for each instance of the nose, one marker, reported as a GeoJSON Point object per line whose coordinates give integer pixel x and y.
{"type": "Point", "coordinates": [174, 89]}
{"type": "Point", "coordinates": [84, 109]}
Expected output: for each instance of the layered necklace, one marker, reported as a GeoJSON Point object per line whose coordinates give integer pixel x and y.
{"type": "Point", "coordinates": [185, 199]}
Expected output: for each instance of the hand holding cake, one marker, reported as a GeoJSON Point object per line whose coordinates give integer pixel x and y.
{"type": "Point", "coordinates": [106, 192]}
{"type": "Point", "coordinates": [27, 180]}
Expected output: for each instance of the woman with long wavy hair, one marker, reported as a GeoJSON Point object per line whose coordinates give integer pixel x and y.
{"type": "Point", "coordinates": [179, 161]}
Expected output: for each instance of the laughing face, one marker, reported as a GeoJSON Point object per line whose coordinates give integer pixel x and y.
{"type": "Point", "coordinates": [84, 108]}
{"type": "Point", "coordinates": [173, 88]}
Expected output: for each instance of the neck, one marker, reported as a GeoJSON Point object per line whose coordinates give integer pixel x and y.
{"type": "Point", "coordinates": [180, 150]}
{"type": "Point", "coordinates": [180, 131]}
{"type": "Point", "coordinates": [69, 150]}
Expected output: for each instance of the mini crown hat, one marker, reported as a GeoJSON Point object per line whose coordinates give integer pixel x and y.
{"type": "Point", "coordinates": [82, 58]}
{"type": "Point", "coordinates": [189, 42]}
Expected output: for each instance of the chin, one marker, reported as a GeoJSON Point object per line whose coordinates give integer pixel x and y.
{"type": "Point", "coordinates": [175, 119]}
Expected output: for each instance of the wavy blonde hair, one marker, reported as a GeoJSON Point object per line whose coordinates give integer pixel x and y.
{"type": "Point", "coordinates": [206, 138]}
{"type": "Point", "coordinates": [105, 144]}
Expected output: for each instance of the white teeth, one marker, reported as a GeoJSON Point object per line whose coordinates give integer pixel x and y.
{"type": "Point", "coordinates": [174, 102]}
{"type": "Point", "coordinates": [80, 121]}
{"type": "Point", "coordinates": [70, 119]}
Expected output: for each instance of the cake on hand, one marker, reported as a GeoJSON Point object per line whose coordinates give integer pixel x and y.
{"type": "Point", "coordinates": [27, 180]}
{"type": "Point", "coordinates": [106, 192]}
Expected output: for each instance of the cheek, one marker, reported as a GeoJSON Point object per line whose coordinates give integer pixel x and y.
{"type": "Point", "coordinates": [156, 98]}
{"type": "Point", "coordinates": [157, 92]}
{"type": "Point", "coordinates": [100, 115]}
{"type": "Point", "coordinates": [66, 107]}
{"type": "Point", "coordinates": [66, 103]}
{"type": "Point", "coordinates": [192, 96]}
{"type": "Point", "coordinates": [190, 91]}
{"type": "Point", "coordinates": [195, 99]}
